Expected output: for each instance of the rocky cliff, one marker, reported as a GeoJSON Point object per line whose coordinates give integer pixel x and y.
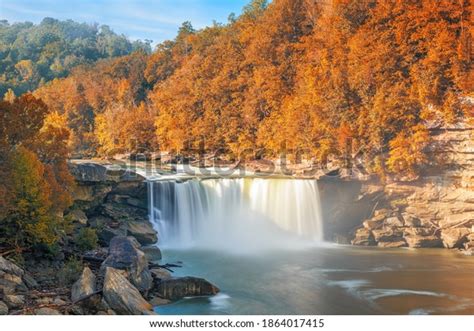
{"type": "Point", "coordinates": [112, 201]}
{"type": "Point", "coordinates": [436, 210]}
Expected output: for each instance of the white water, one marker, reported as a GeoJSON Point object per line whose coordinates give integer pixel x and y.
{"type": "Point", "coordinates": [239, 214]}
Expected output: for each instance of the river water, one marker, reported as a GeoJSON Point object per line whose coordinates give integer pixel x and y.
{"type": "Point", "coordinates": [329, 279]}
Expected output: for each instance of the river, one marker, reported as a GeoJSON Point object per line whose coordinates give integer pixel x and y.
{"type": "Point", "coordinates": [329, 279]}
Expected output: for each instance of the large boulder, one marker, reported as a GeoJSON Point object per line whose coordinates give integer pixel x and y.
{"type": "Point", "coordinates": [152, 253]}
{"type": "Point", "coordinates": [10, 267]}
{"type": "Point", "coordinates": [143, 232]}
{"type": "Point", "coordinates": [125, 254]}
{"type": "Point", "coordinates": [363, 237]}
{"type": "Point", "coordinates": [11, 278]}
{"type": "Point", "coordinates": [454, 238]}
{"type": "Point", "coordinates": [84, 286]}
{"type": "Point", "coordinates": [416, 241]}
{"type": "Point", "coordinates": [178, 288]}
{"type": "Point", "coordinates": [122, 296]}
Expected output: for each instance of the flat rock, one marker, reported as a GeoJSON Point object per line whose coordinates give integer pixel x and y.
{"type": "Point", "coordinates": [93, 172]}
{"type": "Point", "coordinates": [178, 288]}
{"type": "Point", "coordinates": [122, 296]}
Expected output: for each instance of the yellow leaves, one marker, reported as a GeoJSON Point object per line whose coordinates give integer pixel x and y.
{"type": "Point", "coordinates": [33, 205]}
{"type": "Point", "coordinates": [125, 129]}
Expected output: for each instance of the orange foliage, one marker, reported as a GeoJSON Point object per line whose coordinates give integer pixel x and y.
{"type": "Point", "coordinates": [292, 74]}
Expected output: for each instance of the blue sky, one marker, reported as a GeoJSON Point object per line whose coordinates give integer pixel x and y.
{"type": "Point", "coordinates": [138, 19]}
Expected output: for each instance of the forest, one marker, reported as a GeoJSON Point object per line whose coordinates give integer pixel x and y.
{"type": "Point", "coordinates": [31, 55]}
{"type": "Point", "coordinates": [289, 75]}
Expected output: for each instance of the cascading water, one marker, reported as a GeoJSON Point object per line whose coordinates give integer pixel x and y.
{"type": "Point", "coordinates": [243, 213]}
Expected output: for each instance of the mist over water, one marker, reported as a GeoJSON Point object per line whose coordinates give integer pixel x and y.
{"type": "Point", "coordinates": [237, 215]}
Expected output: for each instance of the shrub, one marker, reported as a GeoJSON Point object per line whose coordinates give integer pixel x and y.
{"type": "Point", "coordinates": [86, 239]}
{"type": "Point", "coordinates": [70, 272]}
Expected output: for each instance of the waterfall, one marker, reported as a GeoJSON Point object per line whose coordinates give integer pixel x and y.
{"type": "Point", "coordinates": [248, 213]}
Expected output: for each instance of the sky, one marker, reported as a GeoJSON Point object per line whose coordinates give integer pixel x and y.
{"type": "Point", "coordinates": [156, 20]}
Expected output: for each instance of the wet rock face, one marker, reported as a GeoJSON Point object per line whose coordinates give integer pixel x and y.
{"type": "Point", "coordinates": [178, 288]}
{"type": "Point", "coordinates": [122, 296]}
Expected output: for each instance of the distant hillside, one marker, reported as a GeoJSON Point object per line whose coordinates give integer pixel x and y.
{"type": "Point", "coordinates": [31, 55]}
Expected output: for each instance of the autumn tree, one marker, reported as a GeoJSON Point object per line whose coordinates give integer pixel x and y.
{"type": "Point", "coordinates": [36, 181]}
{"type": "Point", "coordinates": [408, 152]}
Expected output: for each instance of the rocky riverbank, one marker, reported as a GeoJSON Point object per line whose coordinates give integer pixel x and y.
{"type": "Point", "coordinates": [120, 276]}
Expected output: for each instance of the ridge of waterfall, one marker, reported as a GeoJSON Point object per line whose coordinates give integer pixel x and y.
{"type": "Point", "coordinates": [220, 213]}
